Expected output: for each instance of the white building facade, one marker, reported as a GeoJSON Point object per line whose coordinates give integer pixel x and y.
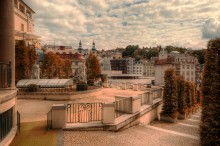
{"type": "Point", "coordinates": [184, 64]}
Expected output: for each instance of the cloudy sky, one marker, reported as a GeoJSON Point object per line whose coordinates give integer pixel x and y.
{"type": "Point", "coordinates": [118, 23]}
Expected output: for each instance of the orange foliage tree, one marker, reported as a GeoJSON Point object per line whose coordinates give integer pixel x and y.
{"type": "Point", "coordinates": [25, 58]}
{"type": "Point", "coordinates": [93, 67]}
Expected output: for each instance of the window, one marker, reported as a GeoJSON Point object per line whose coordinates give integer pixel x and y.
{"type": "Point", "coordinates": [183, 66]}
{"type": "Point", "coordinates": [6, 122]}
{"type": "Point", "coordinates": [22, 27]}
{"type": "Point", "coordinates": [187, 66]}
{"type": "Point", "coordinates": [192, 73]}
{"type": "Point", "coordinates": [187, 73]}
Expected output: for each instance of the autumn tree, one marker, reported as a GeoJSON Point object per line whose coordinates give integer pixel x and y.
{"type": "Point", "coordinates": [93, 67]}
{"type": "Point", "coordinates": [210, 120]}
{"type": "Point", "coordinates": [25, 58]}
{"type": "Point", "coordinates": [170, 106]}
{"type": "Point", "coordinates": [67, 68]}
{"type": "Point", "coordinates": [52, 65]}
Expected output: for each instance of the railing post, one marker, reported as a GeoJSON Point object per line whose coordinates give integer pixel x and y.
{"type": "Point", "coordinates": [58, 115]}
{"type": "Point", "coordinates": [108, 113]}
{"type": "Point", "coordinates": [136, 104]}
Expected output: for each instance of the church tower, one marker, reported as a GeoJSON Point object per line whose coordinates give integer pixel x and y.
{"type": "Point", "coordinates": [80, 47]}
{"type": "Point", "coordinates": [93, 47]}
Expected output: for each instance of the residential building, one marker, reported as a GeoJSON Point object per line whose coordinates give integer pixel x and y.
{"type": "Point", "coordinates": [119, 65]}
{"type": "Point", "coordinates": [148, 69]}
{"type": "Point", "coordinates": [134, 67]}
{"type": "Point", "coordinates": [24, 24]}
{"type": "Point", "coordinates": [184, 64]}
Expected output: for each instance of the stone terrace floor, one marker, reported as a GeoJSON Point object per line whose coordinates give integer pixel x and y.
{"type": "Point", "coordinates": [182, 133]}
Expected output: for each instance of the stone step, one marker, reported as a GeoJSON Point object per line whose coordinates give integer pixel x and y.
{"type": "Point", "coordinates": [177, 127]}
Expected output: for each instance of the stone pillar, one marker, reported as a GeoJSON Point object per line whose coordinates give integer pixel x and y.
{"type": "Point", "coordinates": [58, 116]}
{"type": "Point", "coordinates": [151, 98]}
{"type": "Point", "coordinates": [108, 113]}
{"type": "Point", "coordinates": [105, 84]}
{"type": "Point", "coordinates": [135, 87]}
{"type": "Point", "coordinates": [7, 39]}
{"type": "Point", "coordinates": [136, 104]}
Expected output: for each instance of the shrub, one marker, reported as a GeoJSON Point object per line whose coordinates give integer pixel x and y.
{"type": "Point", "coordinates": [33, 88]}
{"type": "Point", "coordinates": [170, 105]}
{"type": "Point", "coordinates": [104, 77]}
{"type": "Point", "coordinates": [210, 120]}
{"type": "Point", "coordinates": [90, 82]}
{"type": "Point", "coordinates": [81, 86]}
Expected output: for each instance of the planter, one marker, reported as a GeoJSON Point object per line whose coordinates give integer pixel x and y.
{"type": "Point", "coordinates": [182, 116]}
{"type": "Point", "coordinates": [168, 119]}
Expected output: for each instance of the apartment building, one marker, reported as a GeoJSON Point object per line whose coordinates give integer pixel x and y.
{"type": "Point", "coordinates": [184, 64]}
{"type": "Point", "coordinates": [24, 24]}
{"type": "Point", "coordinates": [134, 67]}
{"type": "Point", "coordinates": [148, 69]}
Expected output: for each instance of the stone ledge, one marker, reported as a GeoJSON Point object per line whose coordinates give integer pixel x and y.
{"type": "Point", "coordinates": [8, 139]}
{"type": "Point", "coordinates": [6, 95]}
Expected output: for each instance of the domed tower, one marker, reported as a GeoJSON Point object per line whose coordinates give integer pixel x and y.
{"type": "Point", "coordinates": [93, 47]}
{"type": "Point", "coordinates": [80, 47]}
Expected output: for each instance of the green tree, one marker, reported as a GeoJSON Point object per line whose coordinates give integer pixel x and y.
{"type": "Point", "coordinates": [210, 121]}
{"type": "Point", "coordinates": [182, 105]}
{"type": "Point", "coordinates": [170, 106]}
{"type": "Point", "coordinates": [93, 67]}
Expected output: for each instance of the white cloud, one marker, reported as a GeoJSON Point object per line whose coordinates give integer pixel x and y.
{"type": "Point", "coordinates": [113, 23]}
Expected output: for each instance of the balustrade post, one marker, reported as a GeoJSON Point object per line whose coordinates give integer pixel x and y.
{"type": "Point", "coordinates": [58, 116]}
{"type": "Point", "coordinates": [108, 113]}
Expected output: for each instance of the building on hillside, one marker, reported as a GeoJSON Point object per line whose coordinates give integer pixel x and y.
{"type": "Point", "coordinates": [119, 65]}
{"type": "Point", "coordinates": [24, 24]}
{"type": "Point", "coordinates": [184, 64]}
{"type": "Point", "coordinates": [134, 67]}
{"type": "Point", "coordinates": [148, 69]}
{"type": "Point", "coordinates": [105, 63]}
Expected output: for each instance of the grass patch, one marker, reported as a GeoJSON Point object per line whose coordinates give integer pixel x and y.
{"type": "Point", "coordinates": [35, 134]}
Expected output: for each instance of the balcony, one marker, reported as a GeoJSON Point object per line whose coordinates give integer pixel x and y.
{"type": "Point", "coordinates": [5, 75]}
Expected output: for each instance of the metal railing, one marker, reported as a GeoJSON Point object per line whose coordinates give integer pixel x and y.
{"type": "Point", "coordinates": [49, 119]}
{"type": "Point", "coordinates": [84, 112]}
{"type": "Point", "coordinates": [6, 123]}
{"type": "Point", "coordinates": [18, 121]}
{"type": "Point", "coordinates": [5, 75]}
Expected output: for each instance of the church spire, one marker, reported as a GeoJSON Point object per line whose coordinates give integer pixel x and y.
{"type": "Point", "coordinates": [93, 46]}
{"type": "Point", "coordinates": [80, 46]}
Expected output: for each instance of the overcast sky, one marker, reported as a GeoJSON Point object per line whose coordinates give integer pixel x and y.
{"type": "Point", "coordinates": [118, 23]}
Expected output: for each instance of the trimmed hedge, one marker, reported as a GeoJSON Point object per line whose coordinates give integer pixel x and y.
{"type": "Point", "coordinates": [90, 82]}
{"type": "Point", "coordinates": [33, 88]}
{"type": "Point", "coordinates": [81, 87]}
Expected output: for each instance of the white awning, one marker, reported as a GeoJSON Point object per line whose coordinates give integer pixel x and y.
{"type": "Point", "coordinates": [45, 83]}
